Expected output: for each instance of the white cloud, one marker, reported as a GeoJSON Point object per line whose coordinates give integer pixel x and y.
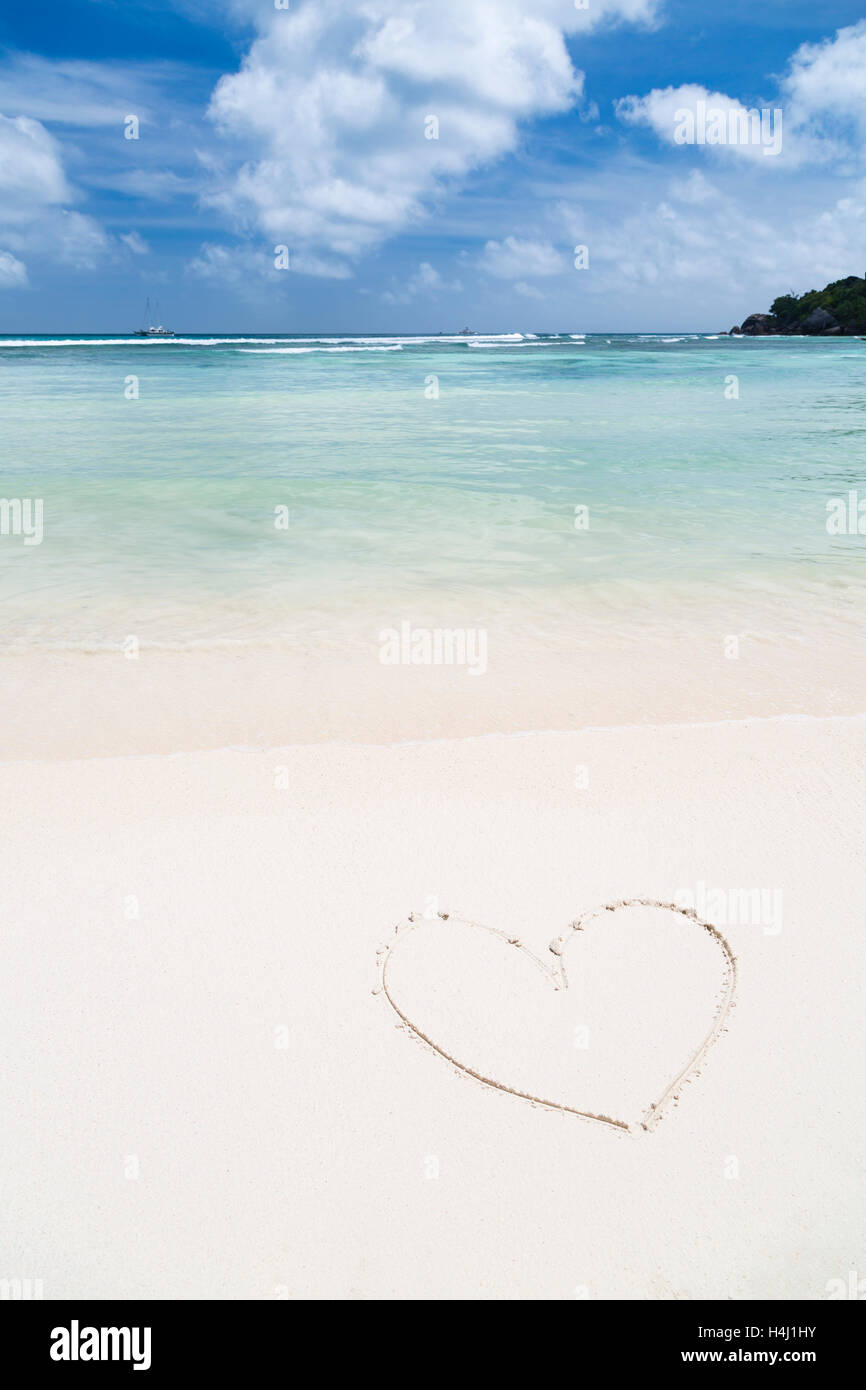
{"type": "Point", "coordinates": [134, 243]}
{"type": "Point", "coordinates": [822, 97]}
{"type": "Point", "coordinates": [513, 259]}
{"type": "Point", "coordinates": [825, 87]}
{"type": "Point", "coordinates": [13, 273]}
{"type": "Point", "coordinates": [31, 174]}
{"type": "Point", "coordinates": [76, 239]}
{"type": "Point", "coordinates": [695, 188]}
{"type": "Point", "coordinates": [230, 266]}
{"type": "Point", "coordinates": [528, 291]}
{"type": "Point", "coordinates": [693, 115]}
{"type": "Point", "coordinates": [61, 236]}
{"type": "Point", "coordinates": [33, 189]}
{"type": "Point", "coordinates": [725, 254]}
{"type": "Point", "coordinates": [86, 105]}
{"type": "Point", "coordinates": [425, 281]}
{"type": "Point", "coordinates": [253, 270]}
{"type": "Point", "coordinates": [155, 185]}
{"type": "Point", "coordinates": [84, 94]}
{"type": "Point", "coordinates": [328, 115]}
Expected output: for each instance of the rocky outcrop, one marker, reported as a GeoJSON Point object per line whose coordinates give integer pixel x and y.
{"type": "Point", "coordinates": [819, 324]}
{"type": "Point", "coordinates": [820, 321]}
{"type": "Point", "coordinates": [836, 311]}
{"type": "Point", "coordinates": [756, 325]}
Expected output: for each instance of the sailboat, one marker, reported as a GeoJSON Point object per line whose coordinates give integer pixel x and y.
{"type": "Point", "coordinates": [153, 330]}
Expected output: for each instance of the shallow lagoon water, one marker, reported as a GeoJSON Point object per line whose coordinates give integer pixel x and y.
{"type": "Point", "coordinates": [424, 475]}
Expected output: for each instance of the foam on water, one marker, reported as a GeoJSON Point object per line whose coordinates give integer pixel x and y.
{"type": "Point", "coordinates": [197, 342]}
{"type": "Point", "coordinates": [355, 347]}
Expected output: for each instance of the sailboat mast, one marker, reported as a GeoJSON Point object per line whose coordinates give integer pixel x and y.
{"type": "Point", "coordinates": [152, 327]}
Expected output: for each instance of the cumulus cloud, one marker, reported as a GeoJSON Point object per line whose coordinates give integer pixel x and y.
{"type": "Point", "coordinates": [31, 173]}
{"type": "Point", "coordinates": [515, 259]}
{"type": "Point", "coordinates": [426, 280]}
{"type": "Point", "coordinates": [348, 117]}
{"type": "Point", "coordinates": [13, 273]}
{"type": "Point", "coordinates": [75, 239]}
{"type": "Point", "coordinates": [235, 266]}
{"type": "Point", "coordinates": [825, 93]}
{"type": "Point", "coordinates": [822, 97]}
{"type": "Point", "coordinates": [134, 243]}
{"type": "Point", "coordinates": [33, 190]}
{"type": "Point", "coordinates": [723, 252]}
{"type": "Point", "coordinates": [250, 269]}
{"type": "Point", "coordinates": [693, 115]}
{"type": "Point", "coordinates": [82, 110]}
{"type": "Point", "coordinates": [695, 188]}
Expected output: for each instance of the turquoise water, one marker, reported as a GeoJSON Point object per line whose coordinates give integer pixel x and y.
{"type": "Point", "coordinates": [436, 471]}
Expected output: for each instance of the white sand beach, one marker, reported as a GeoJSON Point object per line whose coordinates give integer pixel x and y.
{"type": "Point", "coordinates": [432, 680]}
{"type": "Point", "coordinates": [205, 1096]}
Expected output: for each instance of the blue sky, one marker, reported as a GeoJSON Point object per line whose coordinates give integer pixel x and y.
{"type": "Point", "coordinates": [308, 127]}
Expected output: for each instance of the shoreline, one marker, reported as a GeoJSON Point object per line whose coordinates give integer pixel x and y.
{"type": "Point", "coordinates": [60, 705]}
{"type": "Point", "coordinates": [742, 721]}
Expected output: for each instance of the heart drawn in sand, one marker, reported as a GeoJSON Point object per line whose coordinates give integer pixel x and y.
{"type": "Point", "coordinates": [648, 990]}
